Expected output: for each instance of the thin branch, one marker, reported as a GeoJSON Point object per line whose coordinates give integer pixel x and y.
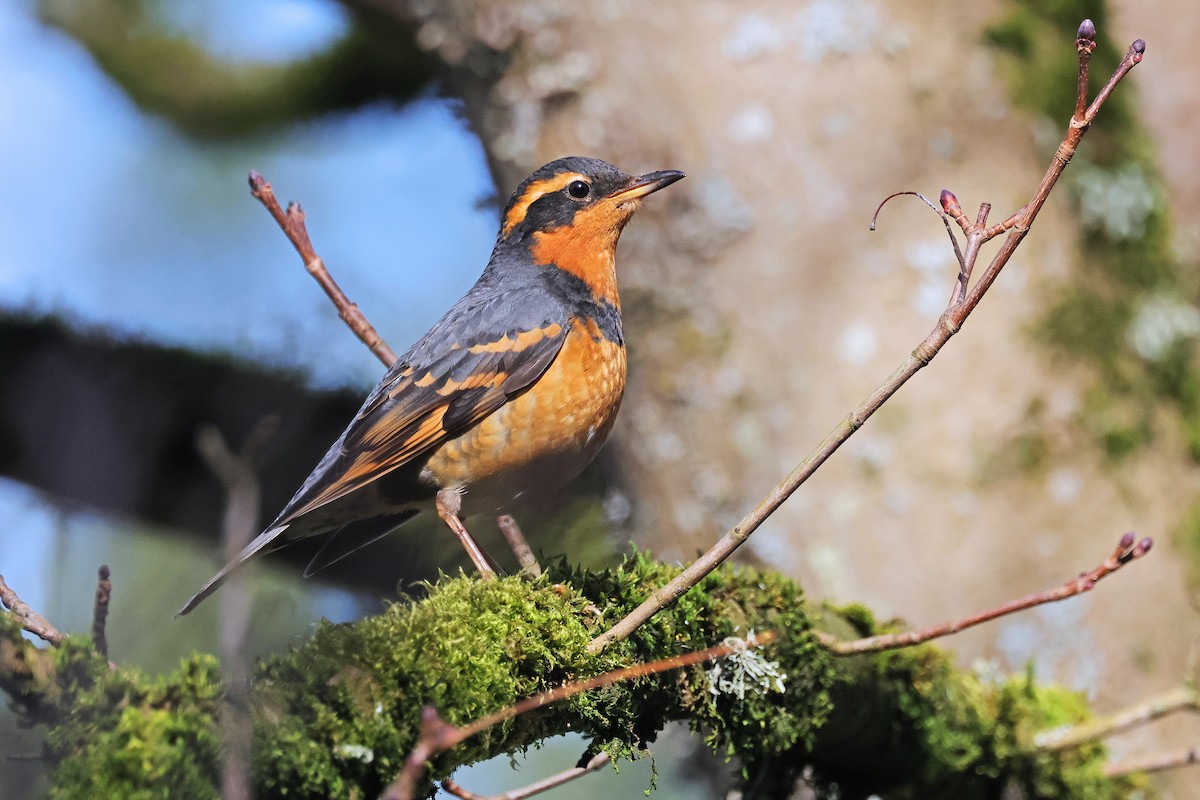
{"type": "Point", "coordinates": [945, 215]}
{"type": "Point", "coordinates": [100, 611]}
{"type": "Point", "coordinates": [512, 534]}
{"type": "Point", "coordinates": [1085, 43]}
{"type": "Point", "coordinates": [1125, 552]}
{"type": "Point", "coordinates": [961, 306]}
{"type": "Point", "coordinates": [238, 475]}
{"type": "Point", "coordinates": [438, 735]}
{"type": "Point", "coordinates": [291, 222]}
{"type": "Point", "coordinates": [535, 788]}
{"type": "Point", "coordinates": [1155, 763]}
{"type": "Point", "coordinates": [31, 621]}
{"type": "Point", "coordinates": [1181, 698]}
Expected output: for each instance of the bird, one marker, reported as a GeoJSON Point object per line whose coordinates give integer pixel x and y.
{"type": "Point", "coordinates": [513, 390]}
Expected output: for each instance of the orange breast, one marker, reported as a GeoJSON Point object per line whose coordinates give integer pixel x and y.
{"type": "Point", "coordinates": [544, 437]}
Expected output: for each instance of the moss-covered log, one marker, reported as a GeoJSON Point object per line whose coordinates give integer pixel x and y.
{"type": "Point", "coordinates": [337, 715]}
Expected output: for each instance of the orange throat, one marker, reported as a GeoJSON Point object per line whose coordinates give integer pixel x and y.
{"type": "Point", "coordinates": [586, 249]}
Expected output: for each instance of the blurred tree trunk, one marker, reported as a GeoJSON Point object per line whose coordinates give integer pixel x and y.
{"type": "Point", "coordinates": [760, 309]}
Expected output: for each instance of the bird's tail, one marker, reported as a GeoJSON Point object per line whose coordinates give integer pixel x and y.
{"type": "Point", "coordinates": [262, 540]}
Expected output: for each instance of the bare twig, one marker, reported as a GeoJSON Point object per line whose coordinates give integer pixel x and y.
{"type": "Point", "coordinates": [512, 534]}
{"type": "Point", "coordinates": [1181, 698]}
{"type": "Point", "coordinates": [1122, 554]}
{"type": "Point", "coordinates": [291, 222]}
{"type": "Point", "coordinates": [31, 621]}
{"type": "Point", "coordinates": [438, 735]}
{"type": "Point", "coordinates": [238, 475]}
{"type": "Point", "coordinates": [100, 611]}
{"type": "Point", "coordinates": [535, 788]}
{"type": "Point", "coordinates": [1155, 763]}
{"type": "Point", "coordinates": [963, 302]}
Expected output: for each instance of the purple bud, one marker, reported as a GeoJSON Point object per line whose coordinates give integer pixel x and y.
{"type": "Point", "coordinates": [1145, 545]}
{"type": "Point", "coordinates": [1126, 541]}
{"type": "Point", "coordinates": [105, 573]}
{"type": "Point", "coordinates": [1138, 46]}
{"type": "Point", "coordinates": [1087, 30]}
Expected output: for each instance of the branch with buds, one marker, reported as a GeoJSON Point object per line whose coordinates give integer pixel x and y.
{"type": "Point", "coordinates": [963, 300]}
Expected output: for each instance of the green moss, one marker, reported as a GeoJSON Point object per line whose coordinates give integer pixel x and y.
{"type": "Point", "coordinates": [123, 734]}
{"type": "Point", "coordinates": [337, 715]}
{"type": "Point", "coordinates": [472, 647]}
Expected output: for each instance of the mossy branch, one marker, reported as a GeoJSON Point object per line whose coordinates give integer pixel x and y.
{"type": "Point", "coordinates": [338, 714]}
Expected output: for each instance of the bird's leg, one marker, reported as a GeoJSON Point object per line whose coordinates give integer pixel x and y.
{"type": "Point", "coordinates": [449, 503]}
{"type": "Point", "coordinates": [511, 532]}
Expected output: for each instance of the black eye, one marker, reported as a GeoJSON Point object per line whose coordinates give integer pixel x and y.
{"type": "Point", "coordinates": [579, 189]}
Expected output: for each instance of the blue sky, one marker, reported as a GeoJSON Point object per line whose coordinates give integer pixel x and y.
{"type": "Point", "coordinates": [115, 219]}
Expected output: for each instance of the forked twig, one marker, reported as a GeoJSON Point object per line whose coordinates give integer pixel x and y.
{"type": "Point", "coordinates": [535, 788]}
{"type": "Point", "coordinates": [438, 735]}
{"type": "Point", "coordinates": [963, 302]}
{"type": "Point", "coordinates": [1125, 552]}
{"type": "Point", "coordinates": [31, 621]}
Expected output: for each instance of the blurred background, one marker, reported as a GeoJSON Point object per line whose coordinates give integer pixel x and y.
{"type": "Point", "coordinates": [144, 297]}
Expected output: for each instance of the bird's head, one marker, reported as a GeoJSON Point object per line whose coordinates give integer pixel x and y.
{"type": "Point", "coordinates": [569, 214]}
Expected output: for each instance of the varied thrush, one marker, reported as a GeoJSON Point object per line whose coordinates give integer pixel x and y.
{"type": "Point", "coordinates": [514, 389]}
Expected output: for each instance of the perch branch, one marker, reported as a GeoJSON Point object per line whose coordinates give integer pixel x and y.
{"type": "Point", "coordinates": [438, 735]}
{"type": "Point", "coordinates": [100, 611]}
{"type": "Point", "coordinates": [31, 621]}
{"type": "Point", "coordinates": [963, 302]}
{"type": "Point", "coordinates": [1178, 699]}
{"type": "Point", "coordinates": [535, 788]}
{"type": "Point", "coordinates": [1125, 552]}
{"type": "Point", "coordinates": [512, 534]}
{"type": "Point", "coordinates": [291, 222]}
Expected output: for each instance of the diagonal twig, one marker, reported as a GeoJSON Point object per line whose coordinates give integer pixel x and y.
{"type": "Point", "coordinates": [512, 534]}
{"type": "Point", "coordinates": [1181, 698]}
{"type": "Point", "coordinates": [963, 302]}
{"type": "Point", "coordinates": [1125, 552]}
{"type": "Point", "coordinates": [291, 222]}
{"type": "Point", "coordinates": [438, 735]}
{"type": "Point", "coordinates": [1155, 763]}
{"type": "Point", "coordinates": [535, 788]}
{"type": "Point", "coordinates": [31, 621]}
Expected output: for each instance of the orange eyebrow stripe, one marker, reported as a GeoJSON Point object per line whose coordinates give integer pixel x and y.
{"type": "Point", "coordinates": [532, 192]}
{"type": "Point", "coordinates": [523, 340]}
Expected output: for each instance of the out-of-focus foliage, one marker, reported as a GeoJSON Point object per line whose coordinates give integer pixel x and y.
{"type": "Point", "coordinates": [170, 75]}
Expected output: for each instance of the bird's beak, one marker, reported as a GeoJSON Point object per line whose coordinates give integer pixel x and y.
{"type": "Point", "coordinates": [647, 184]}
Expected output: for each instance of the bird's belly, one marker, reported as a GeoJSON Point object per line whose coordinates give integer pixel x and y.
{"type": "Point", "coordinates": [543, 438]}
